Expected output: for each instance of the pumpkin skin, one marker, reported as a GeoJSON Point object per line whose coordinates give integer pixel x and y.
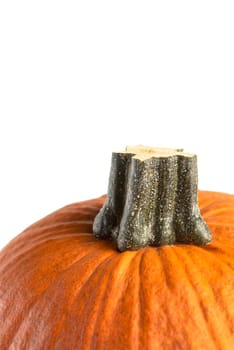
{"type": "Point", "coordinates": [60, 288]}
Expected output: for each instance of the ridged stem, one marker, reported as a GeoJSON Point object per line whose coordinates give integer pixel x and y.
{"type": "Point", "coordinates": [152, 201]}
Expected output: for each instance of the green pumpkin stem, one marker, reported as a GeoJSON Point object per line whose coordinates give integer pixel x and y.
{"type": "Point", "coordinates": [152, 200]}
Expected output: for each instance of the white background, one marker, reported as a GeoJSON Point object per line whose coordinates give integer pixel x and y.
{"type": "Point", "coordinates": [79, 79]}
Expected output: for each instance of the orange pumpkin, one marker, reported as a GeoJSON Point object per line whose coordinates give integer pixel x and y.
{"type": "Point", "coordinates": [60, 288]}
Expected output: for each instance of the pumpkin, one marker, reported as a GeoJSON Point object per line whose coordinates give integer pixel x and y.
{"type": "Point", "coordinates": [61, 288]}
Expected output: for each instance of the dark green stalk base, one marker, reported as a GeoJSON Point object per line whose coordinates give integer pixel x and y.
{"type": "Point", "coordinates": [152, 202]}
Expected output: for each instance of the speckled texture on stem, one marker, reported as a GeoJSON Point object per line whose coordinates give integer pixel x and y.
{"type": "Point", "coordinates": [152, 202]}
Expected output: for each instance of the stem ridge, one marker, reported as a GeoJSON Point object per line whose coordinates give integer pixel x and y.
{"type": "Point", "coordinates": [152, 202]}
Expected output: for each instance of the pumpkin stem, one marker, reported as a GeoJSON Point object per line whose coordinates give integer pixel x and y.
{"type": "Point", "coordinates": [152, 200]}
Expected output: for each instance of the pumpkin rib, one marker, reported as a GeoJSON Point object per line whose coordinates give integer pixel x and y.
{"type": "Point", "coordinates": [222, 236]}
{"type": "Point", "coordinates": [205, 198]}
{"type": "Point", "coordinates": [172, 319]}
{"type": "Point", "coordinates": [56, 225]}
{"type": "Point", "coordinates": [228, 308]}
{"type": "Point", "coordinates": [134, 323]}
{"type": "Point", "coordinates": [222, 223]}
{"type": "Point", "coordinates": [23, 259]}
{"type": "Point", "coordinates": [150, 283]}
{"type": "Point", "coordinates": [76, 296]}
{"type": "Point", "coordinates": [86, 257]}
{"type": "Point", "coordinates": [76, 211]}
{"type": "Point", "coordinates": [132, 302]}
{"type": "Point", "coordinates": [24, 245]}
{"type": "Point", "coordinates": [23, 309]}
{"type": "Point", "coordinates": [222, 250]}
{"type": "Point", "coordinates": [212, 205]}
{"type": "Point", "coordinates": [140, 322]}
{"type": "Point", "coordinates": [22, 256]}
{"type": "Point", "coordinates": [28, 272]}
{"type": "Point", "coordinates": [222, 259]}
{"type": "Point", "coordinates": [111, 309]}
{"type": "Point", "coordinates": [227, 224]}
{"type": "Point", "coordinates": [175, 327]}
{"type": "Point", "coordinates": [95, 320]}
{"type": "Point", "coordinates": [90, 316]}
{"type": "Point", "coordinates": [76, 225]}
{"type": "Point", "coordinates": [163, 307]}
{"type": "Point", "coordinates": [97, 273]}
{"type": "Point", "coordinates": [62, 236]}
{"type": "Point", "coordinates": [39, 235]}
{"type": "Point", "coordinates": [218, 209]}
{"type": "Point", "coordinates": [190, 302]}
{"type": "Point", "coordinates": [221, 337]}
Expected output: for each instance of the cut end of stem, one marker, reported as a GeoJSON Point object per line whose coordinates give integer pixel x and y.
{"type": "Point", "coordinates": [152, 200]}
{"type": "Point", "coordinates": [146, 152]}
